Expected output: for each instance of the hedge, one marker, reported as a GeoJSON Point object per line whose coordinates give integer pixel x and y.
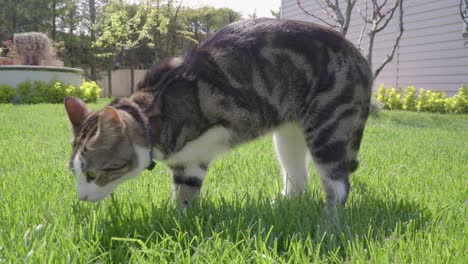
{"type": "Point", "coordinates": [36, 92]}
{"type": "Point", "coordinates": [425, 100]}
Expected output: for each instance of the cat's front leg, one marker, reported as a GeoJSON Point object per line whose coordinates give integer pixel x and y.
{"type": "Point", "coordinates": [187, 182]}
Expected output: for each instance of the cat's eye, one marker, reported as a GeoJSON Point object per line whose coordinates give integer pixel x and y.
{"type": "Point", "coordinates": [90, 175]}
{"type": "Point", "coordinates": [114, 168]}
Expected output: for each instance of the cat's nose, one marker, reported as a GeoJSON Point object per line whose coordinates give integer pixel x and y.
{"type": "Point", "coordinates": [83, 197]}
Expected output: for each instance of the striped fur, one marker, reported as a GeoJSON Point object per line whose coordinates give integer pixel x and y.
{"type": "Point", "coordinates": [304, 83]}
{"type": "Point", "coordinates": [109, 146]}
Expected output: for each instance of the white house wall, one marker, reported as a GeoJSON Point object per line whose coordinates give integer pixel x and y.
{"type": "Point", "coordinates": [432, 53]}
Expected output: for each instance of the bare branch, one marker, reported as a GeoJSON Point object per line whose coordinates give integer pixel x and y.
{"type": "Point", "coordinates": [325, 9]}
{"type": "Point", "coordinates": [364, 17]}
{"type": "Point", "coordinates": [381, 6]}
{"type": "Point", "coordinates": [389, 11]}
{"type": "Point", "coordinates": [349, 8]}
{"type": "Point", "coordinates": [389, 18]}
{"type": "Point", "coordinates": [375, 7]}
{"type": "Point", "coordinates": [366, 21]}
{"type": "Point", "coordinates": [299, 4]}
{"type": "Point", "coordinates": [377, 17]}
{"type": "Point", "coordinates": [397, 42]}
{"type": "Point", "coordinates": [339, 15]}
{"type": "Point", "coordinates": [318, 2]}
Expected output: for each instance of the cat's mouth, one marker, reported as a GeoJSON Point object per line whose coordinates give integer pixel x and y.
{"type": "Point", "coordinates": [91, 197]}
{"type": "Point", "coordinates": [87, 198]}
{"type": "Point", "coordinates": [91, 192]}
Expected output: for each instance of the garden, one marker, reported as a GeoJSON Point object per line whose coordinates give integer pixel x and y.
{"type": "Point", "coordinates": [408, 201]}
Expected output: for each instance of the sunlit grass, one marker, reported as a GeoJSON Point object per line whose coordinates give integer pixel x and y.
{"type": "Point", "coordinates": [408, 202]}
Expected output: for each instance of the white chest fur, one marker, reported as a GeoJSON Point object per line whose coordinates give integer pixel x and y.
{"type": "Point", "coordinates": [210, 144]}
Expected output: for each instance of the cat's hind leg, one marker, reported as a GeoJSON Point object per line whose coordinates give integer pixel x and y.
{"type": "Point", "coordinates": [334, 144]}
{"type": "Point", "coordinates": [187, 182]}
{"type": "Point", "coordinates": [292, 153]}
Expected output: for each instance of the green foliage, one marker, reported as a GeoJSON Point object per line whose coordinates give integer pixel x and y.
{"type": "Point", "coordinates": [54, 92]}
{"type": "Point", "coordinates": [89, 91]}
{"type": "Point", "coordinates": [25, 93]}
{"type": "Point", "coordinates": [458, 103]}
{"type": "Point", "coordinates": [409, 100]}
{"type": "Point", "coordinates": [6, 93]}
{"type": "Point", "coordinates": [154, 29]}
{"type": "Point", "coordinates": [431, 101]}
{"type": "Point", "coordinates": [394, 101]}
{"type": "Point", "coordinates": [381, 95]}
{"type": "Point", "coordinates": [426, 100]}
{"type": "Point", "coordinates": [391, 98]}
{"type": "Point", "coordinates": [30, 15]}
{"type": "Point", "coordinates": [95, 34]}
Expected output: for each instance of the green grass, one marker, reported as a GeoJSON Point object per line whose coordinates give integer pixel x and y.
{"type": "Point", "coordinates": [408, 202]}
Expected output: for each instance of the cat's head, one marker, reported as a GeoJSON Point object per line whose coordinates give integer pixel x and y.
{"type": "Point", "coordinates": [109, 147]}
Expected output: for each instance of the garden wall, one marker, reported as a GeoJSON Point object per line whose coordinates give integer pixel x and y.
{"type": "Point", "coordinates": [120, 82]}
{"type": "Point", "coordinates": [15, 74]}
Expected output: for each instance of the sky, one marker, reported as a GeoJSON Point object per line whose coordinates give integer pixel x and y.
{"type": "Point", "coordinates": [245, 7]}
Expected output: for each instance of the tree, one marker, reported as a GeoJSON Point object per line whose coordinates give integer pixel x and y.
{"type": "Point", "coordinates": [377, 17]}
{"type": "Point", "coordinates": [30, 15]}
{"type": "Point", "coordinates": [114, 33]}
{"type": "Point", "coordinates": [254, 14]}
{"type": "Point", "coordinates": [276, 13]}
{"type": "Point", "coordinates": [204, 21]}
{"type": "Point", "coordinates": [99, 35]}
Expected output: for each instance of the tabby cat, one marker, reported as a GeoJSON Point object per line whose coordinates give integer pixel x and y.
{"type": "Point", "coordinates": [304, 83]}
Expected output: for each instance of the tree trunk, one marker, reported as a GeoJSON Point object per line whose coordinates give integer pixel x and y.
{"type": "Point", "coordinates": [54, 20]}
{"type": "Point", "coordinates": [14, 17]}
{"type": "Point", "coordinates": [92, 20]}
{"type": "Point", "coordinates": [109, 80]}
{"type": "Point", "coordinates": [132, 70]}
{"type": "Point", "coordinates": [370, 47]}
{"type": "Point", "coordinates": [157, 50]}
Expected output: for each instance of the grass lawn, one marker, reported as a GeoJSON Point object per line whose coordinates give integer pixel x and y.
{"type": "Point", "coordinates": [408, 201]}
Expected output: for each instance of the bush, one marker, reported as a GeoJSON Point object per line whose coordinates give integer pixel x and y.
{"type": "Point", "coordinates": [410, 101]}
{"type": "Point", "coordinates": [390, 98]}
{"type": "Point", "coordinates": [426, 100]}
{"type": "Point", "coordinates": [6, 93]}
{"type": "Point", "coordinates": [40, 92]}
{"type": "Point", "coordinates": [53, 92]}
{"type": "Point", "coordinates": [25, 93]}
{"type": "Point", "coordinates": [381, 95]}
{"type": "Point", "coordinates": [458, 104]}
{"type": "Point", "coordinates": [394, 101]}
{"type": "Point", "coordinates": [431, 101]}
{"type": "Point", "coordinates": [90, 91]}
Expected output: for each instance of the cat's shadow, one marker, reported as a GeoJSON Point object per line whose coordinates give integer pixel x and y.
{"type": "Point", "coordinates": [243, 218]}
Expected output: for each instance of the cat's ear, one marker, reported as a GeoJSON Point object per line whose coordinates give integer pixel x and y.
{"type": "Point", "coordinates": [110, 121]}
{"type": "Point", "coordinates": [76, 111]}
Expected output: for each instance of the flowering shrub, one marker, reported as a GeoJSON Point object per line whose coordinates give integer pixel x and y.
{"type": "Point", "coordinates": [425, 101]}
{"type": "Point", "coordinates": [459, 102]}
{"type": "Point", "coordinates": [7, 49]}
{"type": "Point", "coordinates": [89, 91]}
{"type": "Point", "coordinates": [36, 92]}
{"type": "Point", "coordinates": [409, 100]}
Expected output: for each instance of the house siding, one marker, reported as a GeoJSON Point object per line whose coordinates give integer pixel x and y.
{"type": "Point", "coordinates": [432, 52]}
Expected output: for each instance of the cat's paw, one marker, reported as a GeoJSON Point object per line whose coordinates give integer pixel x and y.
{"type": "Point", "coordinates": [333, 218]}
{"type": "Point", "coordinates": [184, 204]}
